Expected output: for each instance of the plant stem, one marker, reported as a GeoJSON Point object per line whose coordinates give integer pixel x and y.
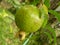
{"type": "Point", "coordinates": [28, 39]}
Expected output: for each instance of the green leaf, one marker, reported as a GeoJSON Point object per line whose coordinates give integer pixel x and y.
{"type": "Point", "coordinates": [45, 21]}
{"type": "Point", "coordinates": [11, 29]}
{"type": "Point", "coordinates": [52, 31]}
{"type": "Point", "coordinates": [7, 28]}
{"type": "Point", "coordinates": [25, 43]}
{"type": "Point", "coordinates": [49, 36]}
{"type": "Point", "coordinates": [57, 15]}
{"type": "Point", "coordinates": [34, 2]}
{"type": "Point", "coordinates": [44, 16]}
{"type": "Point", "coordinates": [47, 3]}
{"type": "Point", "coordinates": [59, 3]}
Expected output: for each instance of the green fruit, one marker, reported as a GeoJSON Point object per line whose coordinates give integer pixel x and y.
{"type": "Point", "coordinates": [44, 15]}
{"type": "Point", "coordinates": [27, 18]}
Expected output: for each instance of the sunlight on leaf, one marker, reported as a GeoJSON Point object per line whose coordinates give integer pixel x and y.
{"type": "Point", "coordinates": [47, 3]}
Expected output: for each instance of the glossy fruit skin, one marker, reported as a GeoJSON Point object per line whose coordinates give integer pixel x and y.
{"type": "Point", "coordinates": [27, 18]}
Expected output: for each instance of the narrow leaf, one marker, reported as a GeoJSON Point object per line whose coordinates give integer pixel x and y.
{"type": "Point", "coordinates": [53, 32]}
{"type": "Point", "coordinates": [34, 2]}
{"type": "Point", "coordinates": [47, 3]}
{"type": "Point", "coordinates": [57, 15]}
{"type": "Point", "coordinates": [25, 43]}
{"type": "Point", "coordinates": [49, 36]}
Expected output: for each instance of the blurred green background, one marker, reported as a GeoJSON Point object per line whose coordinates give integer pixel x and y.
{"type": "Point", "coordinates": [49, 35]}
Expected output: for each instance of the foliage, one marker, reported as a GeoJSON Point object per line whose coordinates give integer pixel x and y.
{"type": "Point", "coordinates": [8, 29]}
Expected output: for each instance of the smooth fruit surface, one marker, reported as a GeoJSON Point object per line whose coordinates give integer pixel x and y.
{"type": "Point", "coordinates": [28, 19]}
{"type": "Point", "coordinates": [44, 15]}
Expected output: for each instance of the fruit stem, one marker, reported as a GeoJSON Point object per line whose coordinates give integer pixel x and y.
{"type": "Point", "coordinates": [28, 39]}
